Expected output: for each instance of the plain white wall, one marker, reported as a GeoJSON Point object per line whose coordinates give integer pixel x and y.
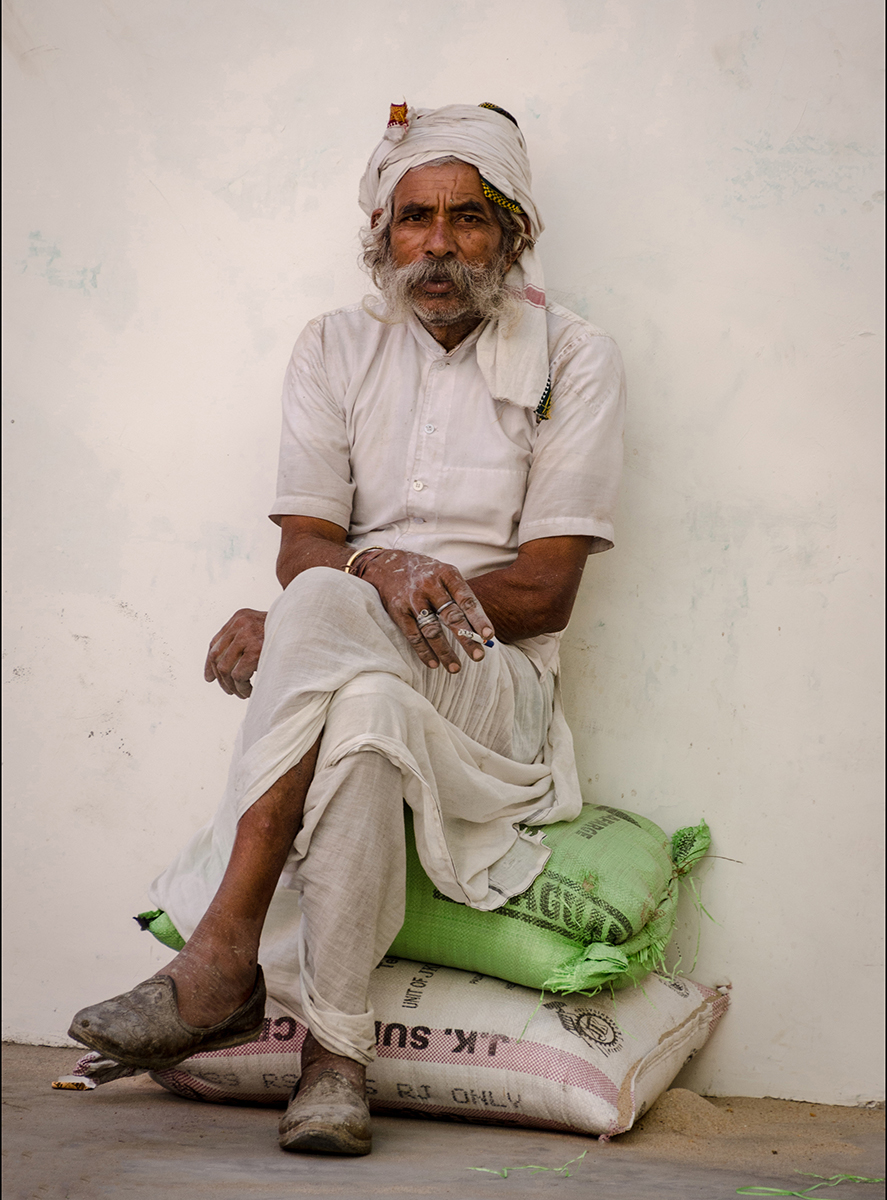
{"type": "Point", "coordinates": [181, 198]}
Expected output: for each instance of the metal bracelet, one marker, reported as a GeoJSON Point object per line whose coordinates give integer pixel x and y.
{"type": "Point", "coordinates": [356, 555]}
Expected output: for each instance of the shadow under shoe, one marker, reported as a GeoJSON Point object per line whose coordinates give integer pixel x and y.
{"type": "Point", "coordinates": [142, 1027]}
{"type": "Point", "coordinates": [328, 1117]}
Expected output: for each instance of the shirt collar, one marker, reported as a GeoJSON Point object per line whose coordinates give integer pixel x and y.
{"type": "Point", "coordinates": [428, 343]}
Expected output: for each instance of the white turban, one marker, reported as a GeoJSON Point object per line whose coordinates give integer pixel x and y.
{"type": "Point", "coordinates": [514, 362]}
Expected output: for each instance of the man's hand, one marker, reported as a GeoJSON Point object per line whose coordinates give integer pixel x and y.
{"type": "Point", "coordinates": [430, 603]}
{"type": "Point", "coordinates": [531, 596]}
{"type": "Point", "coordinates": [410, 585]}
{"type": "Point", "coordinates": [234, 652]}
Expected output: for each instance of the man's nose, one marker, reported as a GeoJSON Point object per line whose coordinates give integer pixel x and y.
{"type": "Point", "coordinates": [439, 241]}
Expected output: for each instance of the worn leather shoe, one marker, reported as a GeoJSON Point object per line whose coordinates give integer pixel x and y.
{"type": "Point", "coordinates": [142, 1028]}
{"type": "Point", "coordinates": [328, 1117]}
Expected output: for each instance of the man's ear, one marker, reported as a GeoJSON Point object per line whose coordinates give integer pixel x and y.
{"type": "Point", "coordinates": [512, 258]}
{"type": "Point", "coordinates": [374, 219]}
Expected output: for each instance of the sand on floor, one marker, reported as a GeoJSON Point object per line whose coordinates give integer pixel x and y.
{"type": "Point", "coordinates": [759, 1134]}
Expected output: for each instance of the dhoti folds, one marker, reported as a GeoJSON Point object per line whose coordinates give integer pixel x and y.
{"type": "Point", "coordinates": [475, 755]}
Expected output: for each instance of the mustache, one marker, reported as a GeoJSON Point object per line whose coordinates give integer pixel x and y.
{"type": "Point", "coordinates": [478, 290]}
{"type": "Point", "coordinates": [443, 270]}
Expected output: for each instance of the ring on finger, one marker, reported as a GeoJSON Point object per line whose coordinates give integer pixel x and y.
{"type": "Point", "coordinates": [446, 605]}
{"type": "Point", "coordinates": [425, 618]}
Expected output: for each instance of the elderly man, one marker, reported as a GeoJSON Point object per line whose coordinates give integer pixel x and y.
{"type": "Point", "coordinates": [449, 459]}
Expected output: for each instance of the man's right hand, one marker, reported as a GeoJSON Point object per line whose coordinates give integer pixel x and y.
{"type": "Point", "coordinates": [234, 652]}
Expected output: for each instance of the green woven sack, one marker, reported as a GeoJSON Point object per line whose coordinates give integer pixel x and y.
{"type": "Point", "coordinates": [157, 922]}
{"type": "Point", "coordinates": [600, 914]}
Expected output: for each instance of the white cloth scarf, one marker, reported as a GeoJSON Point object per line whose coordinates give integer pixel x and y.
{"type": "Point", "coordinates": [513, 360]}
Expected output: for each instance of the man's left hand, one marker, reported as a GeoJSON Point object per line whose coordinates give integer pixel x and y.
{"type": "Point", "coordinates": [430, 602]}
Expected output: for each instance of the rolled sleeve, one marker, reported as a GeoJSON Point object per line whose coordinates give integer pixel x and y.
{"type": "Point", "coordinates": [577, 460]}
{"type": "Point", "coordinates": [314, 473]}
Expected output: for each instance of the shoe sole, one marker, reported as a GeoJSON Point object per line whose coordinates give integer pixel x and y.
{"type": "Point", "coordinates": [323, 1139]}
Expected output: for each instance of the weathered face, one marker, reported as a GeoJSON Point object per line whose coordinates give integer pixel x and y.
{"type": "Point", "coordinates": [441, 213]}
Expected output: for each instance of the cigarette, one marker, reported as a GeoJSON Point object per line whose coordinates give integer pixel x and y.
{"type": "Point", "coordinates": [474, 637]}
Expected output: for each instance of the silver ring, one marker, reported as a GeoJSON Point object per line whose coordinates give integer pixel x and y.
{"type": "Point", "coordinates": [446, 605]}
{"type": "Point", "coordinates": [426, 618]}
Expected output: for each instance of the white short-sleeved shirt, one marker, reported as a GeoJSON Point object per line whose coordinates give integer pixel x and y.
{"type": "Point", "coordinates": [400, 443]}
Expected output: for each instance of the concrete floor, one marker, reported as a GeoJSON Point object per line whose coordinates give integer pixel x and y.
{"type": "Point", "coordinates": [131, 1138]}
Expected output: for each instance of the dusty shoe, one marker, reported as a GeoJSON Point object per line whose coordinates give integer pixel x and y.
{"type": "Point", "coordinates": [329, 1117]}
{"type": "Point", "coordinates": [142, 1028]}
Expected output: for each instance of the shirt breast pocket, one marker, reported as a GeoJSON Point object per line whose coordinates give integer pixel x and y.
{"type": "Point", "coordinates": [490, 497]}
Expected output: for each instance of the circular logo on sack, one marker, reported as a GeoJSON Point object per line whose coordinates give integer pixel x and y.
{"type": "Point", "coordinates": [591, 1025]}
{"type": "Point", "coordinates": [597, 1030]}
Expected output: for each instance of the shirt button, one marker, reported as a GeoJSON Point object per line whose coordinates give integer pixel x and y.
{"type": "Point", "coordinates": [429, 429]}
{"type": "Point", "coordinates": [418, 520]}
{"type": "Point", "coordinates": [418, 485]}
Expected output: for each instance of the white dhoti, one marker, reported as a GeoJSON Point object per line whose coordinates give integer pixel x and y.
{"type": "Point", "coordinates": [474, 754]}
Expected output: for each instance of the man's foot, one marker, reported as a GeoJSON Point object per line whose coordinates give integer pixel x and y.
{"type": "Point", "coordinates": [210, 983]}
{"type": "Point", "coordinates": [144, 1028]}
{"type": "Point", "coordinates": [327, 1112]}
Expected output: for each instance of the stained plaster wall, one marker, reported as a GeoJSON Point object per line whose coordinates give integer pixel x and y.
{"type": "Point", "coordinates": [181, 197]}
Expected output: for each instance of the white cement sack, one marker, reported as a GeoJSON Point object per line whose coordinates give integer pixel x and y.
{"type": "Point", "coordinates": [453, 1044]}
